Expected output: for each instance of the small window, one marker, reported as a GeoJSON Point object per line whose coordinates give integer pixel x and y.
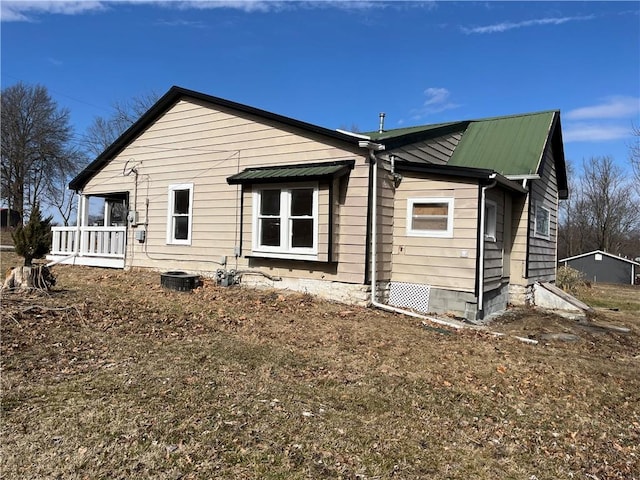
{"type": "Point", "coordinates": [286, 221]}
{"type": "Point", "coordinates": [490, 220]}
{"type": "Point", "coordinates": [430, 217]}
{"type": "Point", "coordinates": [598, 257]}
{"type": "Point", "coordinates": [542, 222]}
{"type": "Point", "coordinates": [179, 217]}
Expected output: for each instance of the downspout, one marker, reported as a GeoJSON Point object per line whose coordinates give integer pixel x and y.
{"type": "Point", "coordinates": [483, 201]}
{"type": "Point", "coordinates": [374, 234]}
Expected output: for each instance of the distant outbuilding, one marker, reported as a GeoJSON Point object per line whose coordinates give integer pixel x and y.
{"type": "Point", "coordinates": [603, 267]}
{"type": "Point", "coordinates": [9, 218]}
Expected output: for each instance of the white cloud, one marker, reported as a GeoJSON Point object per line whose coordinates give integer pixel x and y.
{"type": "Point", "coordinates": [436, 96]}
{"type": "Point", "coordinates": [180, 23]}
{"type": "Point", "coordinates": [437, 101]}
{"type": "Point", "coordinates": [504, 26]}
{"type": "Point", "coordinates": [249, 6]}
{"type": "Point", "coordinates": [14, 11]}
{"type": "Point", "coordinates": [23, 11]}
{"type": "Point", "coordinates": [593, 132]}
{"type": "Point", "coordinates": [55, 62]}
{"type": "Point", "coordinates": [611, 107]}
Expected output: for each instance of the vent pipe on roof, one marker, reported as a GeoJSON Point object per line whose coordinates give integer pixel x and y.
{"type": "Point", "coordinates": [381, 127]}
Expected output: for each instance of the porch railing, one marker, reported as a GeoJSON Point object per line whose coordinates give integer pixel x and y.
{"type": "Point", "coordinates": [108, 242]}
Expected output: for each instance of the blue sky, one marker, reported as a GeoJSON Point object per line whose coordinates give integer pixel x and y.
{"type": "Point", "coordinates": [338, 64]}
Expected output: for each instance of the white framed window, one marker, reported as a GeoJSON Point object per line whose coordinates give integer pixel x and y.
{"type": "Point", "coordinates": [430, 217]}
{"type": "Point", "coordinates": [285, 221]}
{"type": "Point", "coordinates": [179, 214]}
{"type": "Point", "coordinates": [542, 221]}
{"type": "Point", "coordinates": [490, 220]}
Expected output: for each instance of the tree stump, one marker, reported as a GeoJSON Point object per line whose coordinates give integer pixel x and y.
{"type": "Point", "coordinates": [29, 277]}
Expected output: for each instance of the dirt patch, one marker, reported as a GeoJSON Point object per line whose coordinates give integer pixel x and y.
{"type": "Point", "coordinates": [610, 332]}
{"type": "Point", "coordinates": [112, 376]}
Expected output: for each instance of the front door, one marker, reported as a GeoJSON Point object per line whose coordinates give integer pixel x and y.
{"type": "Point", "coordinates": [115, 212]}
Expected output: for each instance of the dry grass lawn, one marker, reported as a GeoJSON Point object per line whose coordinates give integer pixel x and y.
{"type": "Point", "coordinates": [109, 376]}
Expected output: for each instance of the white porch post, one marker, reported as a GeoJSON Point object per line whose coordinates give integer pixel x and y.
{"type": "Point", "coordinates": [107, 214]}
{"type": "Point", "coordinates": [76, 235]}
{"type": "Point", "coordinates": [83, 219]}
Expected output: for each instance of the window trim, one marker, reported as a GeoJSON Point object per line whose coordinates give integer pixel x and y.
{"type": "Point", "coordinates": [285, 251]}
{"type": "Point", "coordinates": [490, 205]}
{"type": "Point", "coordinates": [448, 233]}
{"type": "Point", "coordinates": [170, 215]}
{"type": "Point", "coordinates": [537, 233]}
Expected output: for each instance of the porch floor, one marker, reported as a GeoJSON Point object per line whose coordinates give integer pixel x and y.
{"type": "Point", "coordinates": [87, 261]}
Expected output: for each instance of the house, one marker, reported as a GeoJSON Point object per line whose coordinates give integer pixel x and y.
{"type": "Point", "coordinates": [456, 217]}
{"type": "Point", "coordinates": [603, 267]}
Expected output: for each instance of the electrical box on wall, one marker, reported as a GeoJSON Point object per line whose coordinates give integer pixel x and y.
{"type": "Point", "coordinates": [132, 217]}
{"type": "Point", "coordinates": [140, 235]}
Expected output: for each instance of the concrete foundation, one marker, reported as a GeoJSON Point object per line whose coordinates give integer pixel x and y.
{"type": "Point", "coordinates": [354, 294]}
{"type": "Point", "coordinates": [521, 295]}
{"type": "Point", "coordinates": [550, 297]}
{"type": "Point", "coordinates": [456, 303]}
{"type": "Point", "coordinates": [452, 302]}
{"type": "Point", "coordinates": [495, 301]}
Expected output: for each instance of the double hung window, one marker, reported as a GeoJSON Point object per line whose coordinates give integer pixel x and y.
{"type": "Point", "coordinates": [286, 221]}
{"type": "Point", "coordinates": [179, 214]}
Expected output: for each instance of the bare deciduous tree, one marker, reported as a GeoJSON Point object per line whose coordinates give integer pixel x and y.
{"type": "Point", "coordinates": [36, 146]}
{"type": "Point", "coordinates": [61, 198]}
{"type": "Point", "coordinates": [104, 131]}
{"type": "Point", "coordinates": [634, 156]}
{"type": "Point", "coordinates": [606, 202]}
{"type": "Point", "coordinates": [571, 241]}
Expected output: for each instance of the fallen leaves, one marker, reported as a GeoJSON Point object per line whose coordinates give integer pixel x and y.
{"type": "Point", "coordinates": [235, 383]}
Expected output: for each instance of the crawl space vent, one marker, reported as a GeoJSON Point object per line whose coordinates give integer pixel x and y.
{"type": "Point", "coordinates": [180, 281]}
{"type": "Point", "coordinates": [409, 295]}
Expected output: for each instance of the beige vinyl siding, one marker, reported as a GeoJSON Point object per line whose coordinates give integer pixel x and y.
{"type": "Point", "coordinates": [507, 244]}
{"type": "Point", "coordinates": [519, 221]}
{"type": "Point", "coordinates": [542, 252]}
{"type": "Point", "coordinates": [439, 262]}
{"type": "Point", "coordinates": [385, 223]}
{"type": "Point", "coordinates": [493, 250]}
{"type": "Point", "coordinates": [436, 150]}
{"type": "Point", "coordinates": [195, 143]}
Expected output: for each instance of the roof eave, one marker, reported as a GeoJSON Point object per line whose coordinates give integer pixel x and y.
{"type": "Point", "coordinates": [480, 174]}
{"type": "Point", "coordinates": [561, 165]}
{"type": "Point", "coordinates": [408, 138]}
{"type": "Point", "coordinates": [174, 94]}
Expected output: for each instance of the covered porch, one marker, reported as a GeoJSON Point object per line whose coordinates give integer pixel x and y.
{"type": "Point", "coordinates": [99, 238]}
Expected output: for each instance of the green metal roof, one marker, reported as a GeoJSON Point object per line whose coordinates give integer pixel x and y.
{"type": "Point", "coordinates": [510, 145]}
{"type": "Point", "coordinates": [291, 172]}
{"type": "Point", "coordinates": [400, 132]}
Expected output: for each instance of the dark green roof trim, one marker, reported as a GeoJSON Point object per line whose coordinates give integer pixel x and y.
{"type": "Point", "coordinates": [167, 101]}
{"type": "Point", "coordinates": [481, 174]}
{"type": "Point", "coordinates": [288, 173]}
{"type": "Point", "coordinates": [403, 136]}
{"type": "Point", "coordinates": [561, 168]}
